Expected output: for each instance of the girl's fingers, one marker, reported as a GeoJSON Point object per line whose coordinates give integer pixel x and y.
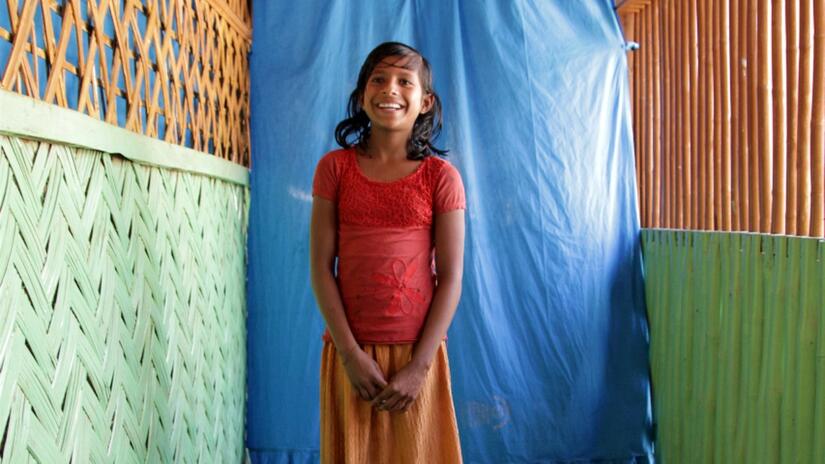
{"type": "Point", "coordinates": [393, 403]}
{"type": "Point", "coordinates": [368, 390]}
{"type": "Point", "coordinates": [405, 405]}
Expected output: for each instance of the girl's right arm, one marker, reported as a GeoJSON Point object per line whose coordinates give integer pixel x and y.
{"type": "Point", "coordinates": [363, 372]}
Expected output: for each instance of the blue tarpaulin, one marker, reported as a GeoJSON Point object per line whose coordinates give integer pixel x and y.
{"type": "Point", "coordinates": [548, 349]}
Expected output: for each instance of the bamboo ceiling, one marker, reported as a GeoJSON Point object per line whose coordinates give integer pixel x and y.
{"type": "Point", "coordinates": [176, 70]}
{"type": "Point", "coordinates": [728, 102]}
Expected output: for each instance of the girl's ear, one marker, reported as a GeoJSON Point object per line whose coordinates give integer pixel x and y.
{"type": "Point", "coordinates": [427, 103]}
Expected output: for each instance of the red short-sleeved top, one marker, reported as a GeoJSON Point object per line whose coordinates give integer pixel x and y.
{"type": "Point", "coordinates": [385, 242]}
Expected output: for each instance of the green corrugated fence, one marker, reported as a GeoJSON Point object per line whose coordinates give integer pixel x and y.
{"type": "Point", "coordinates": [737, 346]}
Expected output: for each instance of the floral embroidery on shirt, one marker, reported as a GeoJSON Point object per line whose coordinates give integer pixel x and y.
{"type": "Point", "coordinates": [397, 287]}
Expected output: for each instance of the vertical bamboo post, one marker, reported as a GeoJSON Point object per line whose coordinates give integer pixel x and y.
{"type": "Point", "coordinates": [649, 109]}
{"type": "Point", "coordinates": [686, 215]}
{"type": "Point", "coordinates": [792, 65]}
{"type": "Point", "coordinates": [637, 112]}
{"type": "Point", "coordinates": [753, 113]}
{"type": "Point", "coordinates": [695, 147]}
{"type": "Point", "coordinates": [818, 125]}
{"type": "Point", "coordinates": [765, 114]}
{"type": "Point", "coordinates": [706, 114]}
{"type": "Point", "coordinates": [806, 59]}
{"type": "Point", "coordinates": [656, 158]}
{"type": "Point", "coordinates": [743, 66]}
{"type": "Point", "coordinates": [723, 176]}
{"type": "Point", "coordinates": [703, 116]}
{"type": "Point", "coordinates": [644, 111]}
{"type": "Point", "coordinates": [683, 118]}
{"type": "Point", "coordinates": [709, 116]}
{"type": "Point", "coordinates": [668, 118]}
{"type": "Point", "coordinates": [717, 160]}
{"type": "Point", "coordinates": [732, 22]}
{"type": "Point", "coordinates": [779, 117]}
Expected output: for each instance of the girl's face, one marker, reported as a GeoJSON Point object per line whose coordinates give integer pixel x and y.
{"type": "Point", "coordinates": [393, 96]}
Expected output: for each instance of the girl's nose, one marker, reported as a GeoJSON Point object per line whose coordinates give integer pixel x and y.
{"type": "Point", "coordinates": [390, 88]}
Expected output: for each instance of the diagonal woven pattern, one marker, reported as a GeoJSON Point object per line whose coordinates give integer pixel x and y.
{"type": "Point", "coordinates": [122, 310]}
{"type": "Point", "coordinates": [176, 70]}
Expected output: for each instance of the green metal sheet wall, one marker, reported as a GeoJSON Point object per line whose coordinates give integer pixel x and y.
{"type": "Point", "coordinates": [737, 346]}
{"type": "Point", "coordinates": [122, 307]}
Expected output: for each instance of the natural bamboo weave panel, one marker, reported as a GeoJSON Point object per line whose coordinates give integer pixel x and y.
{"type": "Point", "coordinates": [176, 70]}
{"type": "Point", "coordinates": [122, 310]}
{"type": "Point", "coordinates": [737, 346]}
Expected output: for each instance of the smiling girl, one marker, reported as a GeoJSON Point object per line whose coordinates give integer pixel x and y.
{"type": "Point", "coordinates": [392, 214]}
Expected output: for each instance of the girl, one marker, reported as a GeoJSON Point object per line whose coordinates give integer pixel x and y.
{"type": "Point", "coordinates": [392, 214]}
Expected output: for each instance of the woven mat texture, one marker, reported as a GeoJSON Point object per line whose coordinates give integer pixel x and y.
{"type": "Point", "coordinates": [122, 310]}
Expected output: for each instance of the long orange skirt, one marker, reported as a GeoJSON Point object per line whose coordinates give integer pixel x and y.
{"type": "Point", "coordinates": [354, 432]}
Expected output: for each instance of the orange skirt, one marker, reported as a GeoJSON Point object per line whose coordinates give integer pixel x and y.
{"type": "Point", "coordinates": [354, 432]}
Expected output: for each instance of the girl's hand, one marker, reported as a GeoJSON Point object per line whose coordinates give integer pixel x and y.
{"type": "Point", "coordinates": [402, 390]}
{"type": "Point", "coordinates": [364, 373]}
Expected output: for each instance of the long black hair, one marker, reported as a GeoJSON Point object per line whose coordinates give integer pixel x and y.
{"type": "Point", "coordinates": [426, 127]}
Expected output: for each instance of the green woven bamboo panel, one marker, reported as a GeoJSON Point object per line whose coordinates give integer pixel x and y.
{"type": "Point", "coordinates": [737, 346]}
{"type": "Point", "coordinates": [122, 310]}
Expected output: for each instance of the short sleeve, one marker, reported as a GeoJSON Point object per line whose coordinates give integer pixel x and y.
{"type": "Point", "coordinates": [325, 182]}
{"type": "Point", "coordinates": [449, 190]}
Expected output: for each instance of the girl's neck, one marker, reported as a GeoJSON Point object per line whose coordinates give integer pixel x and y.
{"type": "Point", "coordinates": [387, 146]}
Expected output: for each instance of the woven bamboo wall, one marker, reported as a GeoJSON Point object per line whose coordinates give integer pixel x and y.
{"type": "Point", "coordinates": [737, 346]}
{"type": "Point", "coordinates": [728, 103]}
{"type": "Point", "coordinates": [122, 309]}
{"type": "Point", "coordinates": [176, 70]}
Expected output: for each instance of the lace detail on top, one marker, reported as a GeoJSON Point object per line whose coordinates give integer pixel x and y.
{"type": "Point", "coordinates": [406, 202]}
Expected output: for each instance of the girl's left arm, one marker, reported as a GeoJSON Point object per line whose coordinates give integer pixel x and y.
{"type": "Point", "coordinates": [449, 260]}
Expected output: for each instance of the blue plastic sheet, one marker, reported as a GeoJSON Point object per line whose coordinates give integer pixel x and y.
{"type": "Point", "coordinates": [548, 349]}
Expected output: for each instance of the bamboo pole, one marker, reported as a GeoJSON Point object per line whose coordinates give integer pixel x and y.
{"type": "Point", "coordinates": [643, 114]}
{"type": "Point", "coordinates": [694, 112]}
{"type": "Point", "coordinates": [670, 119]}
{"type": "Point", "coordinates": [714, 121]}
{"type": "Point", "coordinates": [709, 116]}
{"type": "Point", "coordinates": [656, 158]}
{"type": "Point", "coordinates": [792, 65]}
{"type": "Point", "coordinates": [765, 114]}
{"type": "Point", "coordinates": [744, 67]}
{"type": "Point", "coordinates": [629, 22]}
{"type": "Point", "coordinates": [683, 118]}
{"type": "Point", "coordinates": [818, 125]}
{"type": "Point", "coordinates": [734, 148]}
{"type": "Point", "coordinates": [706, 115]}
{"type": "Point", "coordinates": [689, 115]}
{"type": "Point", "coordinates": [753, 112]}
{"type": "Point", "coordinates": [779, 117]}
{"type": "Point", "coordinates": [806, 60]}
{"type": "Point", "coordinates": [723, 190]}
{"type": "Point", "coordinates": [649, 112]}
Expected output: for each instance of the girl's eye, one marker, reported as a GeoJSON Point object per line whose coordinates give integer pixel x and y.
{"type": "Point", "coordinates": [377, 79]}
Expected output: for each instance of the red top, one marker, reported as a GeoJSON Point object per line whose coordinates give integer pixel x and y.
{"type": "Point", "coordinates": [385, 247]}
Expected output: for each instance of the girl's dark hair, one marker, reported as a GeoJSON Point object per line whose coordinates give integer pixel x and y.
{"type": "Point", "coordinates": [427, 126]}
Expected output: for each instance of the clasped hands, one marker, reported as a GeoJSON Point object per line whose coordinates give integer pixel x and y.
{"type": "Point", "coordinates": [369, 383]}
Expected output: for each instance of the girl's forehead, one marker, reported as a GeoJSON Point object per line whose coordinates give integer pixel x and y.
{"type": "Point", "coordinates": [403, 63]}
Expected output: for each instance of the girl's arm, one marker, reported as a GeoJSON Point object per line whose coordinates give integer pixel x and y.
{"type": "Point", "coordinates": [449, 259]}
{"type": "Point", "coordinates": [364, 374]}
